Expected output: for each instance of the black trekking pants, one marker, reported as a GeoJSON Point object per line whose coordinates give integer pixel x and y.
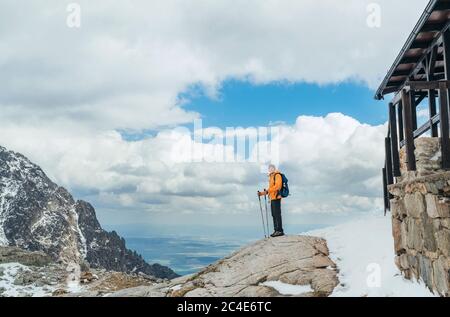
{"type": "Point", "coordinates": [276, 214]}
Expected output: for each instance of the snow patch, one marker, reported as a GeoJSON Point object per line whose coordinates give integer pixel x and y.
{"type": "Point", "coordinates": [176, 287]}
{"type": "Point", "coordinates": [83, 246]}
{"type": "Point", "coordinates": [363, 250]}
{"type": "Point", "coordinates": [3, 240]}
{"type": "Point", "coordinates": [9, 289]}
{"type": "Point", "coordinates": [288, 289]}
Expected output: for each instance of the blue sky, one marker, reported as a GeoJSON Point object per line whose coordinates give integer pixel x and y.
{"type": "Point", "coordinates": [245, 104]}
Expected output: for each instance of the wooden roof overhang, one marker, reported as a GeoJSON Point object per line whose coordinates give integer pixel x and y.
{"type": "Point", "coordinates": [426, 36]}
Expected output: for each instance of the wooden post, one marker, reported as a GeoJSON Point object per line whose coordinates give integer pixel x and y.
{"type": "Point", "coordinates": [412, 99]}
{"type": "Point", "coordinates": [446, 53]}
{"type": "Point", "coordinates": [430, 69]}
{"type": "Point", "coordinates": [389, 175]}
{"type": "Point", "coordinates": [433, 112]}
{"type": "Point", "coordinates": [445, 137]}
{"type": "Point", "coordinates": [400, 121]}
{"type": "Point", "coordinates": [394, 141]}
{"type": "Point", "coordinates": [408, 131]}
{"type": "Point", "coordinates": [385, 191]}
{"type": "Point", "coordinates": [443, 103]}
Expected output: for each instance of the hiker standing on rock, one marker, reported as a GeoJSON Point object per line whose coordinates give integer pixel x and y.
{"type": "Point", "coordinates": [278, 189]}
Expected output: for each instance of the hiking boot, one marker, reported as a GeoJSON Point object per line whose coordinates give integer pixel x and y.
{"type": "Point", "coordinates": [277, 234]}
{"type": "Point", "coordinates": [274, 234]}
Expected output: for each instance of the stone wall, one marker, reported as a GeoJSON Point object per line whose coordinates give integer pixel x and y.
{"type": "Point", "coordinates": [421, 218]}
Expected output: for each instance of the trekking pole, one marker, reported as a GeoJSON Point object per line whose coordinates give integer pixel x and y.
{"type": "Point", "coordinates": [267, 215]}
{"type": "Point", "coordinates": [262, 216]}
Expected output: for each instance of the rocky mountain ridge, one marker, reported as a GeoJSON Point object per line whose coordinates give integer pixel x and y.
{"type": "Point", "coordinates": [38, 215]}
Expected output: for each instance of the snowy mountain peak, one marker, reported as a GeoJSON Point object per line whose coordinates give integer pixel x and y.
{"type": "Point", "coordinates": [37, 214]}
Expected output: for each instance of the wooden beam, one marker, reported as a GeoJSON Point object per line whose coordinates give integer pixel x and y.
{"type": "Point", "coordinates": [420, 44]}
{"type": "Point", "coordinates": [431, 68]}
{"type": "Point", "coordinates": [445, 134]}
{"type": "Point", "coordinates": [388, 90]}
{"type": "Point", "coordinates": [394, 141]}
{"type": "Point", "coordinates": [442, 6]}
{"type": "Point", "coordinates": [385, 191]}
{"type": "Point", "coordinates": [400, 121]}
{"type": "Point", "coordinates": [398, 96]}
{"type": "Point", "coordinates": [396, 82]}
{"type": "Point", "coordinates": [408, 131]}
{"type": "Point", "coordinates": [401, 73]}
{"type": "Point", "coordinates": [412, 98]}
{"type": "Point", "coordinates": [426, 126]}
{"type": "Point", "coordinates": [433, 27]}
{"type": "Point", "coordinates": [420, 97]}
{"type": "Point", "coordinates": [444, 103]}
{"type": "Point", "coordinates": [426, 85]}
{"type": "Point", "coordinates": [446, 53]}
{"type": "Point", "coordinates": [433, 111]}
{"type": "Point", "coordinates": [410, 60]}
{"type": "Point", "coordinates": [436, 70]}
{"type": "Point", "coordinates": [431, 63]}
{"type": "Point", "coordinates": [389, 171]}
{"type": "Point", "coordinates": [417, 60]}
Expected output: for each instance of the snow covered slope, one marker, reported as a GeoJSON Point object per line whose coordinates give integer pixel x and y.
{"type": "Point", "coordinates": [363, 250]}
{"type": "Point", "coordinates": [37, 214]}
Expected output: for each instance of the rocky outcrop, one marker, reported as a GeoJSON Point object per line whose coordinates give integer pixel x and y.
{"type": "Point", "coordinates": [293, 260]}
{"type": "Point", "coordinates": [108, 250]}
{"type": "Point", "coordinates": [17, 255]}
{"type": "Point", "coordinates": [38, 215]}
{"type": "Point", "coordinates": [421, 218]}
{"type": "Point", "coordinates": [25, 274]}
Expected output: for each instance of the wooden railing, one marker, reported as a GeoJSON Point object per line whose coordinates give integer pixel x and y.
{"type": "Point", "coordinates": [403, 127]}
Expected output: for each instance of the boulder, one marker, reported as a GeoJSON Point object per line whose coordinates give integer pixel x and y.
{"type": "Point", "coordinates": [27, 278]}
{"type": "Point", "coordinates": [322, 247]}
{"type": "Point", "coordinates": [59, 292]}
{"type": "Point", "coordinates": [295, 260]}
{"type": "Point", "coordinates": [295, 278]}
{"type": "Point", "coordinates": [321, 261]}
{"type": "Point", "coordinates": [324, 282]}
{"type": "Point", "coordinates": [88, 277]}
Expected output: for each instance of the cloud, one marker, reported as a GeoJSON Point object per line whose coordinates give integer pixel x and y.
{"type": "Point", "coordinates": [333, 164]}
{"type": "Point", "coordinates": [66, 92]}
{"type": "Point", "coordinates": [127, 64]}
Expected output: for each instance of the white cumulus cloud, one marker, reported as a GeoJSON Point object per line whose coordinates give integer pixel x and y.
{"type": "Point", "coordinates": [66, 92]}
{"type": "Point", "coordinates": [333, 164]}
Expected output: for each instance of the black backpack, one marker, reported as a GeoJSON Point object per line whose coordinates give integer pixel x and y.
{"type": "Point", "coordinates": [284, 191]}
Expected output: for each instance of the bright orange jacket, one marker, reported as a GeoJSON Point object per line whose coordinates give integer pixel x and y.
{"type": "Point", "coordinates": [275, 185]}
